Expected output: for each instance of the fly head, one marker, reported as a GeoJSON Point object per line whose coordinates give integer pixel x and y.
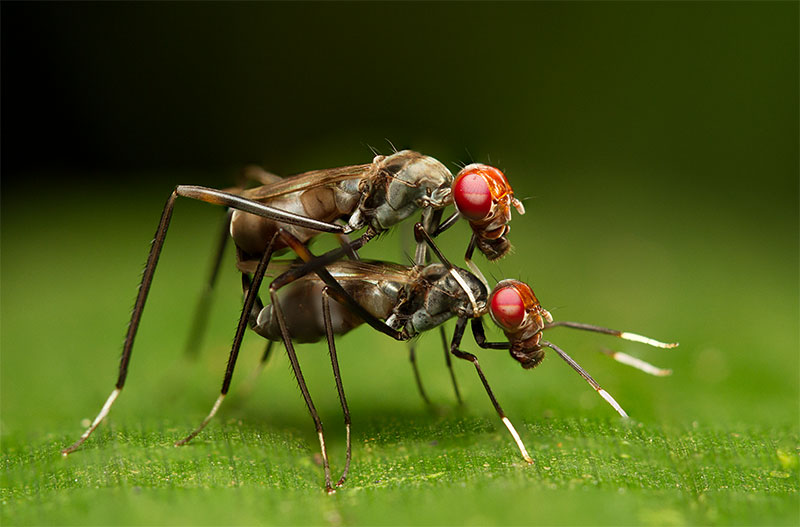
{"type": "Point", "coordinates": [484, 197]}
{"type": "Point", "coordinates": [410, 181]}
{"type": "Point", "coordinates": [517, 311]}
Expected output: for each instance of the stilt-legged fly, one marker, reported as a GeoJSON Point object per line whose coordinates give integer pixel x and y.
{"type": "Point", "coordinates": [374, 196]}
{"type": "Point", "coordinates": [403, 302]}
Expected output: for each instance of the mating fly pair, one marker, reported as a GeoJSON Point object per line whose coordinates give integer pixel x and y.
{"type": "Point", "coordinates": [287, 213]}
{"type": "Point", "coordinates": [398, 301]}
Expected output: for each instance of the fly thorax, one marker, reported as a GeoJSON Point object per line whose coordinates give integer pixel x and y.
{"type": "Point", "coordinates": [411, 181]}
{"type": "Point", "coordinates": [348, 194]}
{"type": "Point", "coordinates": [454, 292]}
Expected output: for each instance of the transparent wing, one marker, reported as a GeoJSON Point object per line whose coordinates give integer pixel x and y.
{"type": "Point", "coordinates": [308, 180]}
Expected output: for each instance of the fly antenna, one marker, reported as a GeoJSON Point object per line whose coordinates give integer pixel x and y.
{"type": "Point", "coordinates": [588, 378]}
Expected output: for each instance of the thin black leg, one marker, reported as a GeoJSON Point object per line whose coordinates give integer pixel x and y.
{"type": "Point", "coordinates": [449, 363]}
{"type": "Point", "coordinates": [588, 378]}
{"type": "Point", "coordinates": [248, 385]}
{"type": "Point", "coordinates": [136, 315]}
{"type": "Point", "coordinates": [412, 356]}
{"type": "Point", "coordinates": [326, 313]}
{"type": "Point", "coordinates": [625, 335]}
{"type": "Point", "coordinates": [336, 291]}
{"type": "Point", "coordinates": [244, 318]}
{"type": "Point", "coordinates": [287, 341]}
{"type": "Point", "coordinates": [480, 337]}
{"type": "Point", "coordinates": [209, 196]}
{"type": "Point", "coordinates": [461, 325]}
{"type": "Point", "coordinates": [251, 300]}
{"type": "Point", "coordinates": [446, 224]}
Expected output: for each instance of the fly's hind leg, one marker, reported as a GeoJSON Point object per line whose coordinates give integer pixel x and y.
{"type": "Point", "coordinates": [244, 319]}
{"type": "Point", "coordinates": [326, 314]}
{"type": "Point", "coordinates": [250, 173]}
{"type": "Point", "coordinates": [287, 341]}
{"type": "Point", "coordinates": [208, 195]}
{"type": "Point", "coordinates": [136, 315]}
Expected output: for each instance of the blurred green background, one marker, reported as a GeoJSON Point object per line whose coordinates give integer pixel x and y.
{"type": "Point", "coordinates": [656, 148]}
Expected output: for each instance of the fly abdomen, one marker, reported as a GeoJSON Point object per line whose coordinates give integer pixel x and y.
{"type": "Point", "coordinates": [301, 304]}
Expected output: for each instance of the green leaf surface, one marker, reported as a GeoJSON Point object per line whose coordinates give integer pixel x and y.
{"type": "Point", "coordinates": [715, 443]}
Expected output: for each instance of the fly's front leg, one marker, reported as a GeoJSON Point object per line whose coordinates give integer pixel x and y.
{"type": "Point", "coordinates": [458, 334]}
{"type": "Point", "coordinates": [618, 356]}
{"type": "Point", "coordinates": [433, 224]}
{"type": "Point", "coordinates": [422, 235]}
{"type": "Point", "coordinates": [326, 314]}
{"type": "Point", "coordinates": [480, 337]}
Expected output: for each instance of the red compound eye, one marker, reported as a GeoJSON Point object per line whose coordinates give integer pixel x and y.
{"type": "Point", "coordinates": [471, 192]}
{"type": "Point", "coordinates": [507, 308]}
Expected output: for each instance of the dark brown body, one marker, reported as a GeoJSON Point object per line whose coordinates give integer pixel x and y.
{"type": "Point", "coordinates": [412, 299]}
{"type": "Point", "coordinates": [376, 195]}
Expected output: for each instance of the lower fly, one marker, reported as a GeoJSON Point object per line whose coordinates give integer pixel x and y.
{"type": "Point", "coordinates": [319, 299]}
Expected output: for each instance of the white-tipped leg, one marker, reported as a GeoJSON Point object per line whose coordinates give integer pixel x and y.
{"type": "Point", "coordinates": [637, 363]}
{"type": "Point", "coordinates": [329, 489]}
{"type": "Point", "coordinates": [102, 415]}
{"type": "Point", "coordinates": [208, 418]}
{"type": "Point", "coordinates": [635, 337]}
{"type": "Point", "coordinates": [588, 378]}
{"type": "Point", "coordinates": [647, 340]}
{"type": "Point", "coordinates": [458, 278]}
{"type": "Point", "coordinates": [347, 458]}
{"type": "Point", "coordinates": [517, 439]}
{"type": "Point", "coordinates": [477, 272]}
{"type": "Point", "coordinates": [607, 396]}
